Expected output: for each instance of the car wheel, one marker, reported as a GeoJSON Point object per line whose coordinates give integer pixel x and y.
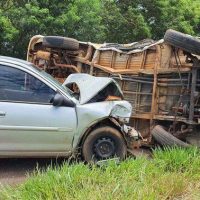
{"type": "Point", "coordinates": [165, 138]}
{"type": "Point", "coordinates": [61, 42]}
{"type": "Point", "coordinates": [104, 143]}
{"type": "Point", "coordinates": [183, 41]}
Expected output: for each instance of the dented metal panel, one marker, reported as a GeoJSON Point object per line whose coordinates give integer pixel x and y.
{"type": "Point", "coordinates": [90, 86]}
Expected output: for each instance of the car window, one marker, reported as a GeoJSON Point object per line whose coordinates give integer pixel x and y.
{"type": "Point", "coordinates": [17, 85]}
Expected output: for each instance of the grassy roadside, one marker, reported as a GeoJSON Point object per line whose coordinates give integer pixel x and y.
{"type": "Point", "coordinates": [172, 174]}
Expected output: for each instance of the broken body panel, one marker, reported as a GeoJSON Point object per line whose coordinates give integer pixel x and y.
{"type": "Point", "coordinates": [93, 89]}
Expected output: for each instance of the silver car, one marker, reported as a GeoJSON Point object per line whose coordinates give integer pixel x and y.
{"type": "Point", "coordinates": [39, 117]}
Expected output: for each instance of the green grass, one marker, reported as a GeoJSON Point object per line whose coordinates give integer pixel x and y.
{"type": "Point", "coordinates": [171, 174]}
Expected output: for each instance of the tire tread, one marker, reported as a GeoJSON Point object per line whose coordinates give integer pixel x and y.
{"type": "Point", "coordinates": [180, 40]}
{"type": "Point", "coordinates": [86, 147]}
{"type": "Point", "coordinates": [165, 138]}
{"type": "Point", "coordinates": [61, 42]}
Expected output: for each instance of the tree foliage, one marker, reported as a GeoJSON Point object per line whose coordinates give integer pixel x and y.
{"type": "Point", "coordinates": [181, 15]}
{"type": "Point", "coordinates": [123, 25]}
{"type": "Point", "coordinates": [93, 20]}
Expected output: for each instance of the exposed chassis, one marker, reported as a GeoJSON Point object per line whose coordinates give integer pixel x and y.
{"type": "Point", "coordinates": [161, 82]}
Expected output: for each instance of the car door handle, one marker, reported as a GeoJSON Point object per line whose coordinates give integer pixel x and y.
{"type": "Point", "coordinates": [2, 114]}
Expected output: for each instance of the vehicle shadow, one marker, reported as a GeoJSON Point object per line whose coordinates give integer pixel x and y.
{"type": "Point", "coordinates": [14, 171]}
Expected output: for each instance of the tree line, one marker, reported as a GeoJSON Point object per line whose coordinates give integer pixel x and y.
{"type": "Point", "coordinates": [114, 21]}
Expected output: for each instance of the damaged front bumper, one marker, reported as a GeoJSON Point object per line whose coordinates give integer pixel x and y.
{"type": "Point", "coordinates": [121, 113]}
{"type": "Point", "coordinates": [132, 136]}
{"type": "Point", "coordinates": [131, 132]}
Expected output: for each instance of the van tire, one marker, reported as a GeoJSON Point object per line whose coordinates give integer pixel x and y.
{"type": "Point", "coordinates": [183, 41]}
{"type": "Point", "coordinates": [61, 43]}
{"type": "Point", "coordinates": [165, 138]}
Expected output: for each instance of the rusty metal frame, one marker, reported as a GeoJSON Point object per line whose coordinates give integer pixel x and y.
{"type": "Point", "coordinates": [148, 63]}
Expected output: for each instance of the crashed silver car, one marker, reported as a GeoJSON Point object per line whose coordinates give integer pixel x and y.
{"type": "Point", "coordinates": [39, 117]}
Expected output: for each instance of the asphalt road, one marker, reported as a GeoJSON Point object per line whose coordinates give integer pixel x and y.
{"type": "Point", "coordinates": [15, 171]}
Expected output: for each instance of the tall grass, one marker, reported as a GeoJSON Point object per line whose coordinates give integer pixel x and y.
{"type": "Point", "coordinates": [171, 174]}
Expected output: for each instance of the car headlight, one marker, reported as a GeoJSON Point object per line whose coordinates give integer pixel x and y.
{"type": "Point", "coordinates": [121, 112]}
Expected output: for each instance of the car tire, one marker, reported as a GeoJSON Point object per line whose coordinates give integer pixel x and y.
{"type": "Point", "coordinates": [183, 41]}
{"type": "Point", "coordinates": [61, 42]}
{"type": "Point", "coordinates": [165, 138]}
{"type": "Point", "coordinates": [104, 143]}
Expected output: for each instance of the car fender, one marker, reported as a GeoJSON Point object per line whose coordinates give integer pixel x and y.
{"type": "Point", "coordinates": [90, 114]}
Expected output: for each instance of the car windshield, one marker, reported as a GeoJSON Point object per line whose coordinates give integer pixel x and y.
{"type": "Point", "coordinates": [55, 82]}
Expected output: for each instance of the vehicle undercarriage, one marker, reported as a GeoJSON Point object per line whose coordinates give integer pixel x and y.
{"type": "Point", "coordinates": [160, 79]}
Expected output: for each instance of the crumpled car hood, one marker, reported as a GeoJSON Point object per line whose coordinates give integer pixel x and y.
{"type": "Point", "coordinates": [90, 86]}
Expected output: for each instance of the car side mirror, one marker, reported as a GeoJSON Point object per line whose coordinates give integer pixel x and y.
{"type": "Point", "coordinates": [60, 100]}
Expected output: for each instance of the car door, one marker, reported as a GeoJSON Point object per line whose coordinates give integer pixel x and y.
{"type": "Point", "coordinates": [29, 123]}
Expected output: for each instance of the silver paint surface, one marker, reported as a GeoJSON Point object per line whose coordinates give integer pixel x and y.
{"type": "Point", "coordinates": [38, 130]}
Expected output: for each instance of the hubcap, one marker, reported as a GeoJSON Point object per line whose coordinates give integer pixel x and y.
{"type": "Point", "coordinates": [104, 148]}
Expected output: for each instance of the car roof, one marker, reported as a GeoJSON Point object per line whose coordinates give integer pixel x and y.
{"type": "Point", "coordinates": [17, 61]}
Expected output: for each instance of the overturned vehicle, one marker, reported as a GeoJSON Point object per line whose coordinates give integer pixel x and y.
{"type": "Point", "coordinates": [161, 79]}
